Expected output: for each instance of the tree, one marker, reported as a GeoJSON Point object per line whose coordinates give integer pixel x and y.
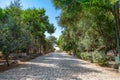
{"type": "Point", "coordinates": [88, 24]}
{"type": "Point", "coordinates": [38, 24]}
{"type": "Point", "coordinates": [11, 29]}
{"type": "Point", "coordinates": [52, 39]}
{"type": "Point", "coordinates": [21, 30]}
{"type": "Point", "coordinates": [49, 44]}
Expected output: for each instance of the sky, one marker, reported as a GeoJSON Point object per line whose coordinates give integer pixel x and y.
{"type": "Point", "coordinates": [46, 4]}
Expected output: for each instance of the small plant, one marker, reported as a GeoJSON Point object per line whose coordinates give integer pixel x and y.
{"type": "Point", "coordinates": [100, 58]}
{"type": "Point", "coordinates": [86, 56]}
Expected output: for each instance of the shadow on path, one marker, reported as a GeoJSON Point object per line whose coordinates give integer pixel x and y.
{"type": "Point", "coordinates": [54, 66]}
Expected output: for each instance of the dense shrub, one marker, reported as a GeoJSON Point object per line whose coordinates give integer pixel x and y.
{"type": "Point", "coordinates": [97, 57]}
{"type": "Point", "coordinates": [86, 56]}
{"type": "Point", "coordinates": [100, 58]}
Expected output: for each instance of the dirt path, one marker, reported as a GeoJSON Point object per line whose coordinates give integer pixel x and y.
{"type": "Point", "coordinates": [58, 66]}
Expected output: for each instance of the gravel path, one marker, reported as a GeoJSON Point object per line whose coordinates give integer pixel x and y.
{"type": "Point", "coordinates": [58, 66]}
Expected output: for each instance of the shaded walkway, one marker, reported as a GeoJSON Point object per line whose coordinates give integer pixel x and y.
{"type": "Point", "coordinates": [57, 66]}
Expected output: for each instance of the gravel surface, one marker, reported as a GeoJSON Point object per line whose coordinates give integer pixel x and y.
{"type": "Point", "coordinates": [58, 66]}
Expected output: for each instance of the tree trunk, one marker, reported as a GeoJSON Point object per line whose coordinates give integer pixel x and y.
{"type": "Point", "coordinates": [117, 14]}
{"type": "Point", "coordinates": [74, 52]}
{"type": "Point", "coordinates": [40, 48]}
{"type": "Point", "coordinates": [6, 57]}
{"type": "Point", "coordinates": [27, 51]}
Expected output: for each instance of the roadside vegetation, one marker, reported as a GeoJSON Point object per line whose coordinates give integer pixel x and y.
{"type": "Point", "coordinates": [89, 28]}
{"type": "Point", "coordinates": [22, 32]}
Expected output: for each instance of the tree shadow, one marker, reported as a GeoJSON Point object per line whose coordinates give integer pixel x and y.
{"type": "Point", "coordinates": [49, 67]}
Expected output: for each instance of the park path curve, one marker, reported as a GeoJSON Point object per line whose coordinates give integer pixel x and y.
{"type": "Point", "coordinates": [58, 66]}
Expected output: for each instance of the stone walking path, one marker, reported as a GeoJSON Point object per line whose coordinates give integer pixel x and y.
{"type": "Point", "coordinates": [58, 66]}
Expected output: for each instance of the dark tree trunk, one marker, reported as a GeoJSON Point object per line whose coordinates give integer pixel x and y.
{"type": "Point", "coordinates": [27, 51]}
{"type": "Point", "coordinates": [7, 61]}
{"type": "Point", "coordinates": [40, 49]}
{"type": "Point", "coordinates": [74, 52]}
{"type": "Point", "coordinates": [117, 14]}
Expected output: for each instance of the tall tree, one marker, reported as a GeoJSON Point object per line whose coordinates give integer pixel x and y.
{"type": "Point", "coordinates": [21, 30]}
{"type": "Point", "coordinates": [84, 20]}
{"type": "Point", "coordinates": [11, 29]}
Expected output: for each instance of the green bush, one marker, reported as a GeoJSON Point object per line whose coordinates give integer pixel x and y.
{"type": "Point", "coordinates": [99, 58]}
{"type": "Point", "coordinates": [84, 56]}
